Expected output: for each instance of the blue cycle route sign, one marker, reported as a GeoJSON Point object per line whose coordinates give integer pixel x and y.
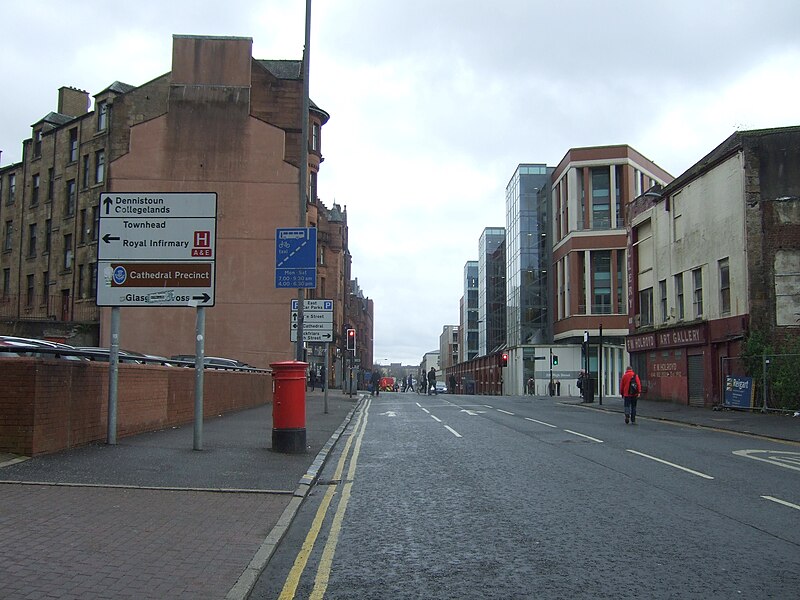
{"type": "Point", "coordinates": [296, 257]}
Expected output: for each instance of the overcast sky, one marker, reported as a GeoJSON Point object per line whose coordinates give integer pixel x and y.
{"type": "Point", "coordinates": [434, 103]}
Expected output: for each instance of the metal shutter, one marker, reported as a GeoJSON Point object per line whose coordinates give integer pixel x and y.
{"type": "Point", "coordinates": [696, 380]}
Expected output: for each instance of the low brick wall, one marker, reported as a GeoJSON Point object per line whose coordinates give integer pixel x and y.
{"type": "Point", "coordinates": [47, 405]}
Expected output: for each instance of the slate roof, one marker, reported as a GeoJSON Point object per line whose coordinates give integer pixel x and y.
{"type": "Point", "coordinates": [117, 87]}
{"type": "Point", "coordinates": [732, 144]}
{"type": "Point", "coordinates": [283, 69]}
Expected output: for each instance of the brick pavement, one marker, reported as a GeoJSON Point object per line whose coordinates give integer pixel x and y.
{"type": "Point", "coordinates": [106, 526]}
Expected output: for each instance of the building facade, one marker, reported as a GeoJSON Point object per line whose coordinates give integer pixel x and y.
{"type": "Point", "coordinates": [591, 188]}
{"type": "Point", "coordinates": [527, 267]}
{"type": "Point", "coordinates": [219, 121]}
{"type": "Point", "coordinates": [715, 255]}
{"type": "Point", "coordinates": [468, 329]}
{"type": "Point", "coordinates": [448, 346]}
{"type": "Point", "coordinates": [492, 290]}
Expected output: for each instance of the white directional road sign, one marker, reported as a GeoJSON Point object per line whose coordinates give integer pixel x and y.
{"type": "Point", "coordinates": [317, 320]}
{"type": "Point", "coordinates": [157, 249]}
{"type": "Point", "coordinates": [157, 239]}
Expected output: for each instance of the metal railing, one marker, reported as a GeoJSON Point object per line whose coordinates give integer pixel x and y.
{"type": "Point", "coordinates": [55, 307]}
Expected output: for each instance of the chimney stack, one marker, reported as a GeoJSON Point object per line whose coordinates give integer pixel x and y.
{"type": "Point", "coordinates": [72, 101]}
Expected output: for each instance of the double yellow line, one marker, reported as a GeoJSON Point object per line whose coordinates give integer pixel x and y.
{"type": "Point", "coordinates": [326, 561]}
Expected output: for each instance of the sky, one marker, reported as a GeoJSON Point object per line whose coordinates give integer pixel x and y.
{"type": "Point", "coordinates": [434, 103]}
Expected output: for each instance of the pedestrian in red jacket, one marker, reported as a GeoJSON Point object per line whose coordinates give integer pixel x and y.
{"type": "Point", "coordinates": [630, 386]}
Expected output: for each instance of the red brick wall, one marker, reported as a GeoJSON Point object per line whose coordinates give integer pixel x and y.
{"type": "Point", "coordinates": [51, 405]}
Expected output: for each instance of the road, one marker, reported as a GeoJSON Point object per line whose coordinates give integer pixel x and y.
{"type": "Point", "coordinates": [512, 497]}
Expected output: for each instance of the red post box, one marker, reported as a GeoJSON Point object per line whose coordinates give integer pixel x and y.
{"type": "Point", "coordinates": [289, 406]}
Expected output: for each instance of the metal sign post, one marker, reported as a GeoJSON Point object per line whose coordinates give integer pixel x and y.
{"type": "Point", "coordinates": [156, 249]}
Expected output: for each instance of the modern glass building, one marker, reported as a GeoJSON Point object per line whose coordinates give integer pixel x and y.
{"type": "Point", "coordinates": [528, 256]}
{"type": "Point", "coordinates": [492, 291]}
{"type": "Point", "coordinates": [469, 317]}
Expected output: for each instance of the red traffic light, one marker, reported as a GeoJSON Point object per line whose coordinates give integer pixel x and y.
{"type": "Point", "coordinates": [504, 359]}
{"type": "Point", "coordinates": [351, 339]}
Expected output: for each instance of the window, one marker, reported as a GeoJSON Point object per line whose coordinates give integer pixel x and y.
{"type": "Point", "coordinates": [70, 207]}
{"type": "Point", "coordinates": [662, 299]}
{"type": "Point", "coordinates": [601, 282]}
{"type": "Point", "coordinates": [67, 251]}
{"type": "Point", "coordinates": [12, 188]}
{"type": "Point", "coordinates": [96, 222]}
{"type": "Point", "coordinates": [315, 137]}
{"type": "Point", "coordinates": [29, 296]}
{"type": "Point", "coordinates": [724, 287]}
{"type": "Point", "coordinates": [99, 166]}
{"type": "Point", "coordinates": [83, 230]}
{"type": "Point", "coordinates": [37, 143]}
{"type": "Point", "coordinates": [32, 239]}
{"type": "Point", "coordinates": [48, 235]}
{"type": "Point", "coordinates": [697, 281]}
{"type": "Point", "coordinates": [6, 282]}
{"type": "Point", "coordinates": [73, 144]}
{"type": "Point", "coordinates": [601, 198]}
{"type": "Point", "coordinates": [646, 307]}
{"type": "Point", "coordinates": [102, 116]}
{"type": "Point", "coordinates": [92, 279]}
{"type": "Point", "coordinates": [8, 235]}
{"type": "Point", "coordinates": [45, 288]}
{"type": "Point", "coordinates": [679, 296]}
{"type": "Point", "coordinates": [51, 182]}
{"type": "Point", "coordinates": [81, 280]}
{"type": "Point", "coordinates": [35, 190]}
{"type": "Point", "coordinates": [677, 221]}
{"type": "Point", "coordinates": [85, 172]}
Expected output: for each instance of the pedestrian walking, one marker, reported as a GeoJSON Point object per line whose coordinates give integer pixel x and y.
{"type": "Point", "coordinates": [630, 386]}
{"type": "Point", "coordinates": [452, 389]}
{"type": "Point", "coordinates": [410, 383]}
{"type": "Point", "coordinates": [313, 379]}
{"type": "Point", "coordinates": [530, 385]}
{"type": "Point", "coordinates": [432, 382]}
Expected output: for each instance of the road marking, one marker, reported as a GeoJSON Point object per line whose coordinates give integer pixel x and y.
{"type": "Point", "coordinates": [588, 437]}
{"type": "Point", "coordinates": [418, 404]}
{"type": "Point", "coordinates": [435, 418]}
{"type": "Point", "coordinates": [779, 501]}
{"type": "Point", "coordinates": [326, 560]}
{"type": "Point", "coordinates": [426, 410]}
{"type": "Point", "coordinates": [472, 413]}
{"type": "Point", "coordinates": [698, 473]}
{"type": "Point", "coordinates": [453, 431]}
{"type": "Point", "coordinates": [539, 422]}
{"type": "Point", "coordinates": [774, 457]}
{"type": "Point", "coordinates": [505, 411]}
{"type": "Point", "coordinates": [487, 406]}
{"type": "Point", "coordinates": [300, 562]}
{"type": "Point", "coordinates": [389, 413]}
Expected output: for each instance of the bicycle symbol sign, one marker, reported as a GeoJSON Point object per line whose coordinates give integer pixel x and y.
{"type": "Point", "coordinates": [296, 257]}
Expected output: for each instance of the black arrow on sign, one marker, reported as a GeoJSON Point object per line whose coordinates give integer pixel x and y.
{"type": "Point", "coordinates": [107, 202]}
{"type": "Point", "coordinates": [108, 237]}
{"type": "Point", "coordinates": [205, 297]}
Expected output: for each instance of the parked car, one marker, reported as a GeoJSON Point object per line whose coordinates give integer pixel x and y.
{"type": "Point", "coordinates": [103, 354]}
{"type": "Point", "coordinates": [33, 347]}
{"type": "Point", "coordinates": [212, 361]}
{"type": "Point", "coordinates": [441, 387]}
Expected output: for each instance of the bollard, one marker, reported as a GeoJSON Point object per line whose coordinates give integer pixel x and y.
{"type": "Point", "coordinates": [289, 406]}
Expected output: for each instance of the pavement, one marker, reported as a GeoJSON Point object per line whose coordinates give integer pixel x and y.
{"type": "Point", "coordinates": [151, 518]}
{"type": "Point", "coordinates": [771, 425]}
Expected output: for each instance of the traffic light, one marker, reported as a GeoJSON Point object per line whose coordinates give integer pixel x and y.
{"type": "Point", "coordinates": [504, 359]}
{"type": "Point", "coordinates": [351, 339]}
{"type": "Point", "coordinates": [555, 359]}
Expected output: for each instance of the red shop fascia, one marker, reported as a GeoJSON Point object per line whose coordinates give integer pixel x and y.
{"type": "Point", "coordinates": [664, 354]}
